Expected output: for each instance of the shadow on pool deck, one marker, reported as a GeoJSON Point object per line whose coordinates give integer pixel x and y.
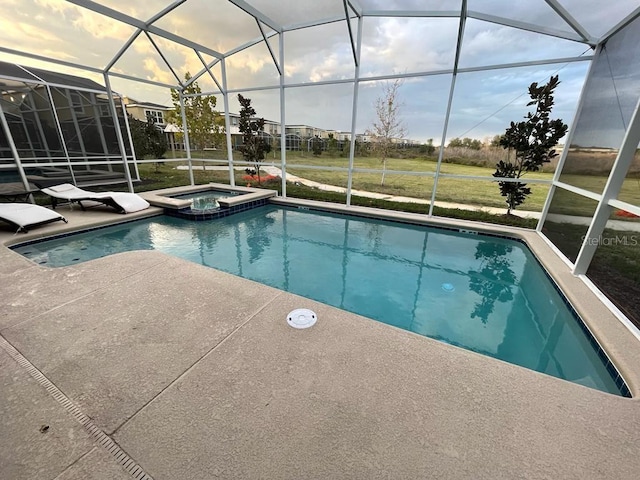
{"type": "Point", "coordinates": [195, 374]}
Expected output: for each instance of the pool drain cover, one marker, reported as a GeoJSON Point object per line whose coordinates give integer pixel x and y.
{"type": "Point", "coordinates": [448, 287]}
{"type": "Point", "coordinates": [301, 318]}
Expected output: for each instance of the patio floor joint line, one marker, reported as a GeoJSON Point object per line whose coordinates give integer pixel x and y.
{"type": "Point", "coordinates": [99, 437]}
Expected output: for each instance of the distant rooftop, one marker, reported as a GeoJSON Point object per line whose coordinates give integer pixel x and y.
{"type": "Point", "coordinates": [38, 75]}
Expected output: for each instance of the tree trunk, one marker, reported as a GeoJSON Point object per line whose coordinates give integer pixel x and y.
{"type": "Point", "coordinates": [384, 169]}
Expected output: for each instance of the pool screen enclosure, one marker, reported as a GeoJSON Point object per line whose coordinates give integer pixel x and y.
{"type": "Point", "coordinates": [463, 66]}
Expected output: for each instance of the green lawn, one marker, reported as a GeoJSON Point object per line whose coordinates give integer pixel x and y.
{"type": "Point", "coordinates": [453, 190]}
{"type": "Point", "coordinates": [615, 267]}
{"type": "Point", "coordinates": [165, 176]}
{"type": "Point", "coordinates": [471, 192]}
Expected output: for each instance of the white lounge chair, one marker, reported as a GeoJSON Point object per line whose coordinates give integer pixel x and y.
{"type": "Point", "coordinates": [27, 215]}
{"type": "Point", "coordinates": [123, 202]}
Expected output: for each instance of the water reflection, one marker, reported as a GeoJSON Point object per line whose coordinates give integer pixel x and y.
{"type": "Point", "coordinates": [258, 236]}
{"type": "Point", "coordinates": [494, 280]}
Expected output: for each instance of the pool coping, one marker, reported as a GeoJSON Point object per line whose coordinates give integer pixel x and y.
{"type": "Point", "coordinates": [163, 198]}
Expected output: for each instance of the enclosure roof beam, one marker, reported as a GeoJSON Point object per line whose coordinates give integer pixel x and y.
{"type": "Point", "coordinates": [207, 69]}
{"type": "Point", "coordinates": [134, 22]}
{"type": "Point", "coordinates": [273, 57]}
{"type": "Point", "coordinates": [356, 7]}
{"type": "Point", "coordinates": [353, 45]}
{"type": "Point", "coordinates": [572, 22]}
{"type": "Point", "coordinates": [135, 35]}
{"type": "Point", "coordinates": [164, 59]}
{"type": "Point", "coordinates": [124, 48]}
{"type": "Point", "coordinates": [249, 44]}
{"type": "Point", "coordinates": [314, 23]}
{"type": "Point", "coordinates": [526, 26]}
{"type": "Point", "coordinates": [623, 23]}
{"type": "Point", "coordinates": [50, 60]}
{"type": "Point", "coordinates": [412, 13]}
{"type": "Point", "coordinates": [532, 63]}
{"type": "Point", "coordinates": [164, 11]}
{"type": "Point", "coordinates": [255, 13]}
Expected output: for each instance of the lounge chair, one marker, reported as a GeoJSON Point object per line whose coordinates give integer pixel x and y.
{"type": "Point", "coordinates": [27, 215]}
{"type": "Point", "coordinates": [123, 202]}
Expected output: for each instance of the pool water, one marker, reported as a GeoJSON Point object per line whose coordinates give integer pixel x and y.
{"type": "Point", "coordinates": [483, 293]}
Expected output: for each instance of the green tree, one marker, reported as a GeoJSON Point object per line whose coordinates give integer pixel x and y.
{"type": "Point", "coordinates": [428, 148]}
{"type": "Point", "coordinates": [455, 143]}
{"type": "Point", "coordinates": [332, 145]}
{"type": "Point", "coordinates": [466, 142]}
{"type": "Point", "coordinates": [388, 125]}
{"type": "Point", "coordinates": [495, 141]}
{"type": "Point", "coordinates": [148, 140]}
{"type": "Point", "coordinates": [531, 141]}
{"type": "Point", "coordinates": [205, 125]}
{"type": "Point", "coordinates": [254, 147]}
{"type": "Point", "coordinates": [316, 146]}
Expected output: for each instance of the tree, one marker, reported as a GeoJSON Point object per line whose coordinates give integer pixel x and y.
{"type": "Point", "coordinates": [254, 147]}
{"type": "Point", "coordinates": [532, 142]}
{"type": "Point", "coordinates": [428, 148]}
{"type": "Point", "coordinates": [148, 140]}
{"type": "Point", "coordinates": [205, 125]}
{"type": "Point", "coordinates": [388, 125]}
{"type": "Point", "coordinates": [466, 142]}
{"type": "Point", "coordinates": [495, 141]}
{"type": "Point", "coordinates": [332, 145]}
{"type": "Point", "coordinates": [316, 146]}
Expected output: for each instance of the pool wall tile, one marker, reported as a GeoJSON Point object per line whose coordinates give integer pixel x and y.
{"type": "Point", "coordinates": [202, 215]}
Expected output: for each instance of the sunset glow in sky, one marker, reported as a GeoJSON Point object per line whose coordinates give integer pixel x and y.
{"type": "Point", "coordinates": [483, 104]}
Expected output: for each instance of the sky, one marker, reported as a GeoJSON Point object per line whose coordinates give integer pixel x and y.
{"type": "Point", "coordinates": [483, 104]}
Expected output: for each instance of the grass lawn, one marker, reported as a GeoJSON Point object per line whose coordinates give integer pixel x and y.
{"type": "Point", "coordinates": [630, 191]}
{"type": "Point", "coordinates": [455, 190]}
{"type": "Point", "coordinates": [471, 192]}
{"type": "Point", "coordinates": [165, 176]}
{"type": "Point", "coordinates": [615, 268]}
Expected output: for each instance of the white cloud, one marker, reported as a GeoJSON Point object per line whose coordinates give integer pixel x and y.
{"type": "Point", "coordinates": [390, 45]}
{"type": "Point", "coordinates": [156, 72]}
{"type": "Point", "coordinates": [396, 45]}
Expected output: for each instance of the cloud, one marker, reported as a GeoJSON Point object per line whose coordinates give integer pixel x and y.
{"type": "Point", "coordinates": [597, 17]}
{"type": "Point", "coordinates": [299, 12]}
{"type": "Point", "coordinates": [390, 45]}
{"type": "Point", "coordinates": [488, 44]}
{"type": "Point", "coordinates": [396, 45]}
{"type": "Point", "coordinates": [218, 25]}
{"type": "Point", "coordinates": [157, 73]}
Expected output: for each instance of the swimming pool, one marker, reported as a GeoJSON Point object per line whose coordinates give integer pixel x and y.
{"type": "Point", "coordinates": [483, 293]}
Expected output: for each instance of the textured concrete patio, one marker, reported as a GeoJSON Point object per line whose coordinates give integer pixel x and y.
{"type": "Point", "coordinates": [141, 365]}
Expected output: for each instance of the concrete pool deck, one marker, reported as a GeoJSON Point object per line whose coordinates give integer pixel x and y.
{"type": "Point", "coordinates": [186, 372]}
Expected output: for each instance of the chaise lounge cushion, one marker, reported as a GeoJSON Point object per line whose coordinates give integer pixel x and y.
{"type": "Point", "coordinates": [26, 215]}
{"type": "Point", "coordinates": [65, 187]}
{"type": "Point", "coordinates": [122, 201]}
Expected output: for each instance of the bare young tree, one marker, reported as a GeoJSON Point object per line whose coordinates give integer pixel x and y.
{"type": "Point", "coordinates": [388, 125]}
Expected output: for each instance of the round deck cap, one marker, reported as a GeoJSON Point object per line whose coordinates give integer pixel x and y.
{"type": "Point", "coordinates": [302, 318]}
